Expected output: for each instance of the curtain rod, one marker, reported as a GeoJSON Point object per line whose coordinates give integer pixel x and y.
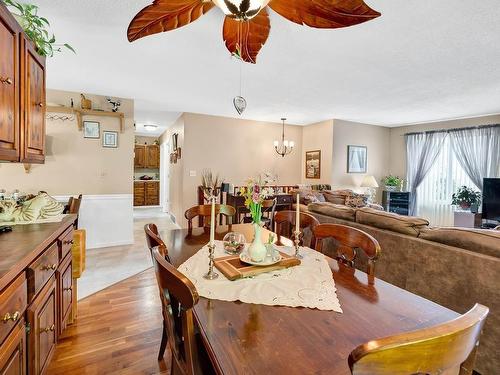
{"type": "Point", "coordinates": [453, 129]}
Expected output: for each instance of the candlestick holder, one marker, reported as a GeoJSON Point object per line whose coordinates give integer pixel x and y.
{"type": "Point", "coordinates": [296, 241]}
{"type": "Point", "coordinates": [211, 274]}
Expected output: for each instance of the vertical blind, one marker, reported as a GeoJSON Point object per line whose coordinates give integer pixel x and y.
{"type": "Point", "coordinates": [435, 191]}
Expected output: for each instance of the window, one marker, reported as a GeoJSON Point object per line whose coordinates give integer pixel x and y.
{"type": "Point", "coordinates": [435, 191]}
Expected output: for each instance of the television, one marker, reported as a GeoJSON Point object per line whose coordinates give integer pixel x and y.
{"type": "Point", "coordinates": [491, 199]}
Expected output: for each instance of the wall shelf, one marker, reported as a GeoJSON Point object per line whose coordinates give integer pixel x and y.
{"type": "Point", "coordinates": [80, 113]}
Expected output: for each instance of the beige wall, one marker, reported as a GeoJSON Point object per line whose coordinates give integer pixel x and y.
{"type": "Point", "coordinates": [175, 171]}
{"type": "Point", "coordinates": [398, 147]}
{"type": "Point", "coordinates": [236, 149]}
{"type": "Point", "coordinates": [74, 164]}
{"type": "Point", "coordinates": [318, 136]}
{"type": "Point", "coordinates": [377, 141]}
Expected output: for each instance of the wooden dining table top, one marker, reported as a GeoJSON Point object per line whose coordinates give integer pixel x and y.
{"type": "Point", "coordinates": [244, 338]}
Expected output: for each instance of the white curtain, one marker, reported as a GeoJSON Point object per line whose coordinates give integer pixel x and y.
{"type": "Point", "coordinates": [478, 151]}
{"type": "Point", "coordinates": [422, 149]}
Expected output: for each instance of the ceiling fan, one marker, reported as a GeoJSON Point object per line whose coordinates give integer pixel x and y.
{"type": "Point", "coordinates": [247, 25]}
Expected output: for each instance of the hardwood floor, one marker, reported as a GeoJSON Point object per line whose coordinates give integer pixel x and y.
{"type": "Point", "coordinates": [118, 331]}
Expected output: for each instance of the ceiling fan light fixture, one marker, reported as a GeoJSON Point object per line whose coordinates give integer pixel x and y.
{"type": "Point", "coordinates": [242, 10]}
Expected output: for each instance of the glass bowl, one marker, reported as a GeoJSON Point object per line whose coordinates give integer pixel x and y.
{"type": "Point", "coordinates": [234, 243]}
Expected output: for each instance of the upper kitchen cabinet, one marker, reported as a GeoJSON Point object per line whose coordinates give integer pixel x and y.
{"type": "Point", "coordinates": [9, 87]}
{"type": "Point", "coordinates": [140, 156]}
{"type": "Point", "coordinates": [153, 156]}
{"type": "Point", "coordinates": [22, 95]}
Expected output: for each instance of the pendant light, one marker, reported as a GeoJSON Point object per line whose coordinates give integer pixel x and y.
{"type": "Point", "coordinates": [286, 147]}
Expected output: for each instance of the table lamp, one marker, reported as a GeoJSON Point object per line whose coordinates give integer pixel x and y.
{"type": "Point", "coordinates": [371, 184]}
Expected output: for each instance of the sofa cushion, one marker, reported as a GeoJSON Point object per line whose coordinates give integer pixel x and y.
{"type": "Point", "coordinates": [484, 241]}
{"type": "Point", "coordinates": [356, 200]}
{"type": "Point", "coordinates": [387, 220]}
{"type": "Point", "coordinates": [333, 210]}
{"type": "Point", "coordinates": [307, 196]}
{"type": "Point", "coordinates": [303, 207]}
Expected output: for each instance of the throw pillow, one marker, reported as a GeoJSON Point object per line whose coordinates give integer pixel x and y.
{"type": "Point", "coordinates": [356, 200]}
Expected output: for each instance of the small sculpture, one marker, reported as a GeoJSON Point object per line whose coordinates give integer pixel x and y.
{"type": "Point", "coordinates": [115, 104]}
{"type": "Point", "coordinates": [41, 206]}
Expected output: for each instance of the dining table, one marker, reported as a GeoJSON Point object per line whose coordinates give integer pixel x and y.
{"type": "Point", "coordinates": [244, 338]}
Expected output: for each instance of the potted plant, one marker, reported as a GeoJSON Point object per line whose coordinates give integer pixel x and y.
{"type": "Point", "coordinates": [466, 198]}
{"type": "Point", "coordinates": [392, 183]}
{"type": "Point", "coordinates": [35, 28]}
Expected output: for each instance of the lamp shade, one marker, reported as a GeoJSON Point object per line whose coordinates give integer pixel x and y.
{"type": "Point", "coordinates": [369, 182]}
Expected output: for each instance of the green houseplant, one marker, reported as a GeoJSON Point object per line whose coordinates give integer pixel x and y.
{"type": "Point", "coordinates": [36, 28]}
{"type": "Point", "coordinates": [466, 197]}
{"type": "Point", "coordinates": [391, 182]}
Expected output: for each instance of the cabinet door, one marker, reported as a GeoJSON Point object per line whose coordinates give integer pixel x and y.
{"type": "Point", "coordinates": [153, 156]}
{"type": "Point", "coordinates": [139, 194]}
{"type": "Point", "coordinates": [64, 276]}
{"type": "Point", "coordinates": [43, 322]}
{"type": "Point", "coordinates": [9, 88]}
{"type": "Point", "coordinates": [139, 156]}
{"type": "Point", "coordinates": [33, 104]}
{"type": "Point", "coordinates": [12, 352]}
{"type": "Point", "coordinates": [152, 193]}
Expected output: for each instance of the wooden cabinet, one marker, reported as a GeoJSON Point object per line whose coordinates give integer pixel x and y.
{"type": "Point", "coordinates": [152, 156]}
{"type": "Point", "coordinates": [147, 156]}
{"type": "Point", "coordinates": [64, 276]}
{"type": "Point", "coordinates": [13, 352]}
{"type": "Point", "coordinates": [42, 320]}
{"type": "Point", "coordinates": [9, 88]}
{"type": "Point", "coordinates": [13, 303]}
{"type": "Point", "coordinates": [22, 95]}
{"type": "Point", "coordinates": [139, 156]}
{"type": "Point", "coordinates": [146, 193]}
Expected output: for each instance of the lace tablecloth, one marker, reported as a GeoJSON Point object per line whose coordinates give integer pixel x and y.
{"type": "Point", "coordinates": [309, 285]}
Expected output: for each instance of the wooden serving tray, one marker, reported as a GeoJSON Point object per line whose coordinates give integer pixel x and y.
{"type": "Point", "coordinates": [233, 268]}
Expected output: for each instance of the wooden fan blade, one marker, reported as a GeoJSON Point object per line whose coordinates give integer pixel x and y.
{"type": "Point", "coordinates": [246, 38]}
{"type": "Point", "coordinates": [166, 15]}
{"type": "Point", "coordinates": [325, 14]}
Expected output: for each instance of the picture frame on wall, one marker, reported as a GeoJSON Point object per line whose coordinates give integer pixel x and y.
{"type": "Point", "coordinates": [91, 129]}
{"type": "Point", "coordinates": [357, 159]}
{"type": "Point", "coordinates": [109, 139]}
{"type": "Point", "coordinates": [313, 164]}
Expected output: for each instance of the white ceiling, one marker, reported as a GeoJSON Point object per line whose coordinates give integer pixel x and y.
{"type": "Point", "coordinates": [423, 60]}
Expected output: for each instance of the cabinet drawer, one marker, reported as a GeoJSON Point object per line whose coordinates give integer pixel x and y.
{"type": "Point", "coordinates": [42, 269]}
{"type": "Point", "coordinates": [64, 293]}
{"type": "Point", "coordinates": [13, 302]}
{"type": "Point", "coordinates": [13, 352]}
{"type": "Point", "coordinates": [43, 324]}
{"type": "Point", "coordinates": [65, 243]}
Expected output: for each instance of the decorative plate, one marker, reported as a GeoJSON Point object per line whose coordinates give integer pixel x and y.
{"type": "Point", "coordinates": [268, 261]}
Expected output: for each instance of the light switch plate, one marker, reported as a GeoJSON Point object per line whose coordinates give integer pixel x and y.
{"type": "Point", "coordinates": [192, 173]}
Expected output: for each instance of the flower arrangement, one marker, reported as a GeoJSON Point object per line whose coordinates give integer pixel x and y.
{"type": "Point", "coordinates": [391, 180]}
{"type": "Point", "coordinates": [465, 197]}
{"type": "Point", "coordinates": [210, 184]}
{"type": "Point", "coordinates": [256, 191]}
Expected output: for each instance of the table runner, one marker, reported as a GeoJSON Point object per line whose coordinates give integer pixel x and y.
{"type": "Point", "coordinates": [309, 285]}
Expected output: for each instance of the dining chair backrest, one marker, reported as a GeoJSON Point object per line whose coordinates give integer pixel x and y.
{"type": "Point", "coordinates": [73, 207]}
{"type": "Point", "coordinates": [284, 222]}
{"type": "Point", "coordinates": [178, 295]}
{"type": "Point", "coordinates": [206, 210]}
{"type": "Point", "coordinates": [448, 348]}
{"type": "Point", "coordinates": [349, 240]}
{"type": "Point", "coordinates": [153, 240]}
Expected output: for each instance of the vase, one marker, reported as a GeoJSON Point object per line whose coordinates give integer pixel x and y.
{"type": "Point", "coordinates": [257, 250]}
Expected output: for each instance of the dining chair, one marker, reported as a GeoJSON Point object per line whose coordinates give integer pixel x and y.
{"type": "Point", "coordinates": [205, 212]}
{"type": "Point", "coordinates": [448, 348]}
{"type": "Point", "coordinates": [153, 240]}
{"type": "Point", "coordinates": [73, 207]}
{"type": "Point", "coordinates": [284, 222]}
{"type": "Point", "coordinates": [349, 240]}
{"type": "Point", "coordinates": [268, 212]}
{"type": "Point", "coordinates": [179, 296]}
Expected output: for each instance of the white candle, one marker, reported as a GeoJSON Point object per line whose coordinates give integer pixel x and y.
{"type": "Point", "coordinates": [212, 223]}
{"type": "Point", "coordinates": [297, 217]}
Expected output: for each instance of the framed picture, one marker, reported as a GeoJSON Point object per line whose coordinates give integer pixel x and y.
{"type": "Point", "coordinates": [109, 139]}
{"type": "Point", "coordinates": [356, 159]}
{"type": "Point", "coordinates": [313, 164]}
{"type": "Point", "coordinates": [91, 129]}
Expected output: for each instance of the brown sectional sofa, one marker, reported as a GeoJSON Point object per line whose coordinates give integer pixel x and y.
{"type": "Point", "coordinates": [454, 267]}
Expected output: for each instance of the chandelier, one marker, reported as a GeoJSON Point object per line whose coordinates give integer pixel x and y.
{"type": "Point", "coordinates": [286, 147]}
{"type": "Point", "coordinates": [241, 10]}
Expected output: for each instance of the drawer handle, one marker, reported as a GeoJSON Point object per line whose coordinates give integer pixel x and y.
{"type": "Point", "coordinates": [68, 289]}
{"type": "Point", "coordinates": [52, 267]}
{"type": "Point", "coordinates": [6, 80]}
{"type": "Point", "coordinates": [48, 329]}
{"type": "Point", "coordinates": [69, 242]}
{"type": "Point", "coordinates": [14, 317]}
